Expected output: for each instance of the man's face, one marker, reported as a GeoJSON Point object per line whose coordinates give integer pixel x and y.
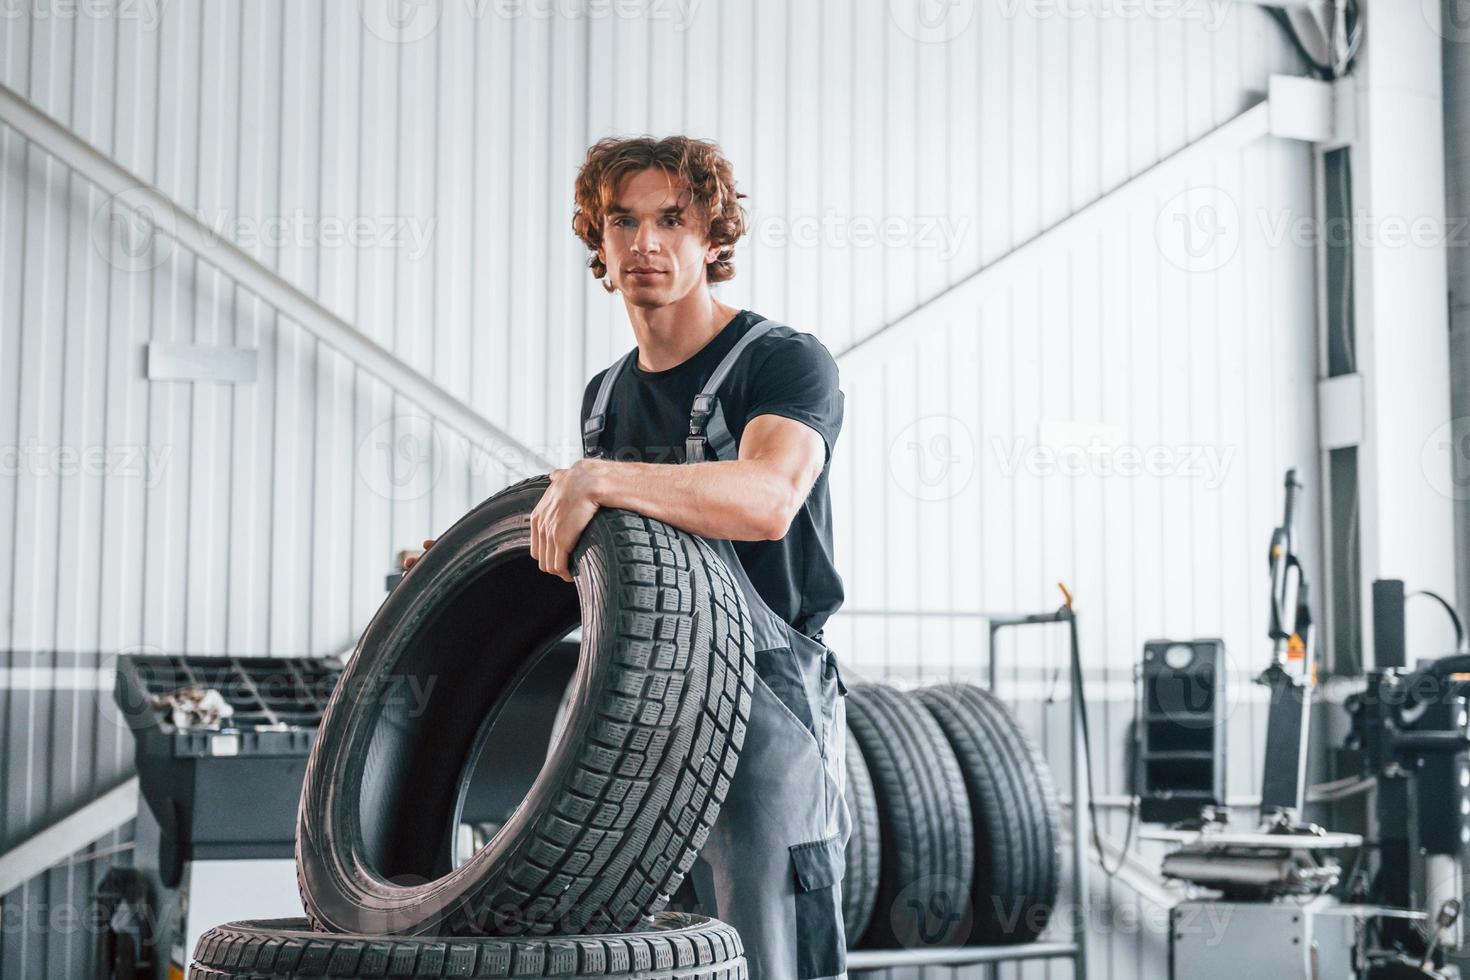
{"type": "Point", "coordinates": [654, 241]}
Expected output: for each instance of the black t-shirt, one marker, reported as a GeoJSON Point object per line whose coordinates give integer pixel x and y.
{"type": "Point", "coordinates": [785, 373]}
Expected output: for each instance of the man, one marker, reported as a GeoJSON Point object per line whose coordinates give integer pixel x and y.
{"type": "Point", "coordinates": [660, 220]}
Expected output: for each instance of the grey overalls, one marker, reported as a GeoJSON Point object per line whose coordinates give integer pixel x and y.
{"type": "Point", "coordinates": [773, 863]}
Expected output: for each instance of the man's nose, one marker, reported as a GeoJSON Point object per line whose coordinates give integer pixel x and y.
{"type": "Point", "coordinates": [646, 240]}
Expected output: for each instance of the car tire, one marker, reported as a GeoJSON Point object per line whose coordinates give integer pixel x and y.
{"type": "Point", "coordinates": [628, 792]}
{"type": "Point", "coordinates": [860, 879]}
{"type": "Point", "coordinates": [925, 841]}
{"type": "Point", "coordinates": [1014, 805]}
{"type": "Point", "coordinates": [675, 945]}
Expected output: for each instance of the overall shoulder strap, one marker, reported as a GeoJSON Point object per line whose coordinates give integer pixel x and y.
{"type": "Point", "coordinates": [707, 415]}
{"type": "Point", "coordinates": [595, 422]}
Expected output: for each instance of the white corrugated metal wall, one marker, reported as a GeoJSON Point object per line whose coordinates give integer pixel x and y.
{"type": "Point", "coordinates": [422, 190]}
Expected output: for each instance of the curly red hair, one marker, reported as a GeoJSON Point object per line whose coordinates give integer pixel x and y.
{"type": "Point", "coordinates": [698, 163]}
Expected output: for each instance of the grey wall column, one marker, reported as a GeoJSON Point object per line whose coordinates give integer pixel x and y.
{"type": "Point", "coordinates": [1405, 477]}
{"type": "Point", "coordinates": [1455, 26]}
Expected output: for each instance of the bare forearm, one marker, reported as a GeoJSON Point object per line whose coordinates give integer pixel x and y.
{"type": "Point", "coordinates": [738, 500]}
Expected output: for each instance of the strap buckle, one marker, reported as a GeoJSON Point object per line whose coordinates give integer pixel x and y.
{"type": "Point", "coordinates": [694, 446]}
{"type": "Point", "coordinates": [704, 407]}
{"type": "Point", "coordinates": [592, 435]}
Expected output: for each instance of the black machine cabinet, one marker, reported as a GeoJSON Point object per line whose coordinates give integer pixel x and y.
{"type": "Point", "coordinates": [228, 790]}
{"type": "Point", "coordinates": [1181, 737]}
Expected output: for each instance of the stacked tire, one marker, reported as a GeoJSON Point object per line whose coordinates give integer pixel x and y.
{"type": "Point", "coordinates": [572, 883]}
{"type": "Point", "coordinates": [962, 809]}
{"type": "Point", "coordinates": [672, 944]}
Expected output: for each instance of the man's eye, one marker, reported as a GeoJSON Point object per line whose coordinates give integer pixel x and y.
{"type": "Point", "coordinates": [673, 221]}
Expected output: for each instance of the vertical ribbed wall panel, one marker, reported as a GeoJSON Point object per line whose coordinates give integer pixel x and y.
{"type": "Point", "coordinates": [1117, 336]}
{"type": "Point", "coordinates": [262, 517]}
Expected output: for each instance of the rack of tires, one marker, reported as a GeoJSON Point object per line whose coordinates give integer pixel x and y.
{"type": "Point", "coordinates": [955, 855]}
{"type": "Point", "coordinates": [956, 835]}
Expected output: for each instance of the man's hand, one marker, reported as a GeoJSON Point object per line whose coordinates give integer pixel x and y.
{"type": "Point", "coordinates": [562, 515]}
{"type": "Point", "coordinates": [408, 560]}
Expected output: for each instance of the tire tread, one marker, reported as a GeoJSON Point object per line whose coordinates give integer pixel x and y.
{"type": "Point", "coordinates": [924, 813]}
{"type": "Point", "coordinates": [1017, 825]}
{"type": "Point", "coordinates": [681, 944]}
{"type": "Point", "coordinates": [656, 762]}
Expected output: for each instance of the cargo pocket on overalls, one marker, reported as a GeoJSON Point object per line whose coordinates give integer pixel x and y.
{"type": "Point", "coordinates": [821, 948]}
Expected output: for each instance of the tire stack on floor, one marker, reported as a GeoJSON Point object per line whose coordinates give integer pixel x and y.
{"type": "Point", "coordinates": [956, 837]}
{"type": "Point", "coordinates": [572, 882]}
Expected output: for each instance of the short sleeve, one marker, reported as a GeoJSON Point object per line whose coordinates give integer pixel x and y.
{"type": "Point", "coordinates": [796, 378]}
